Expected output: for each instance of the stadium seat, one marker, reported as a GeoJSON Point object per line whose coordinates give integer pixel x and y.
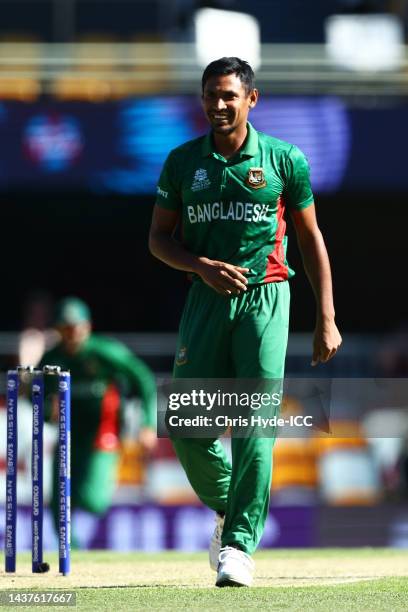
{"type": "Point", "coordinates": [20, 57]}
{"type": "Point", "coordinates": [92, 74]}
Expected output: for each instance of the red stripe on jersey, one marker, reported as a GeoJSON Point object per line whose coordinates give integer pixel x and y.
{"type": "Point", "coordinates": [276, 270]}
{"type": "Point", "coordinates": [107, 437]}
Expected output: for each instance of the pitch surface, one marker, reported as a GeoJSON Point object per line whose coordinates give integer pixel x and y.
{"type": "Point", "coordinates": [324, 579]}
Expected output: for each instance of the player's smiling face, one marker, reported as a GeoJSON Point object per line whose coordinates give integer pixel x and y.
{"type": "Point", "coordinates": [226, 103]}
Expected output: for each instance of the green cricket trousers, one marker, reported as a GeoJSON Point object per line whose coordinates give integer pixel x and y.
{"type": "Point", "coordinates": [243, 336]}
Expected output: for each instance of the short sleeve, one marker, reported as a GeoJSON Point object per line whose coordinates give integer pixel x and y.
{"type": "Point", "coordinates": [298, 191]}
{"type": "Point", "coordinates": [168, 193]}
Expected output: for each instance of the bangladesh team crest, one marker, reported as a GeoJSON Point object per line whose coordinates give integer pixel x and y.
{"type": "Point", "coordinates": [256, 178]}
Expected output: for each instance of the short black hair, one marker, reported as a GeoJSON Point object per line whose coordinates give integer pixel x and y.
{"type": "Point", "coordinates": [230, 65]}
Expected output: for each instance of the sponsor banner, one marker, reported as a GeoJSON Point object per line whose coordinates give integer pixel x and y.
{"type": "Point", "coordinates": [154, 528]}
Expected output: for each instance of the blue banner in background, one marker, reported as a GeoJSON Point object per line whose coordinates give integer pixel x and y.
{"type": "Point", "coordinates": [119, 147]}
{"type": "Point", "coordinates": [152, 528]}
{"type": "Point", "coordinates": [149, 128]}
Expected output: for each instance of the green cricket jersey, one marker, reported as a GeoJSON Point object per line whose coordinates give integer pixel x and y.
{"type": "Point", "coordinates": [233, 210]}
{"type": "Point", "coordinates": [103, 371]}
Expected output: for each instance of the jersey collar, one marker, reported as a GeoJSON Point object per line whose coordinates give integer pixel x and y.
{"type": "Point", "coordinates": [249, 148]}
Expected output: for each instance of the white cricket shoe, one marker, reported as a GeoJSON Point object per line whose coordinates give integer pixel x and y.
{"type": "Point", "coordinates": [215, 542]}
{"type": "Point", "coordinates": [235, 568]}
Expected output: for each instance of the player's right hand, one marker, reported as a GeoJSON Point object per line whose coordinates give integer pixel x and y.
{"type": "Point", "coordinates": [224, 278]}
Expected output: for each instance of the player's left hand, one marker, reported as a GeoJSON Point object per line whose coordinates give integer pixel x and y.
{"type": "Point", "coordinates": [326, 341]}
{"type": "Point", "coordinates": [147, 439]}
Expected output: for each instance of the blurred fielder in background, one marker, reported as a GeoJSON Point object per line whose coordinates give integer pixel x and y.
{"type": "Point", "coordinates": [229, 191]}
{"type": "Point", "coordinates": [103, 372]}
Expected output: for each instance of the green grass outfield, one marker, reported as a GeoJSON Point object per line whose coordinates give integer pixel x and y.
{"type": "Point", "coordinates": [304, 580]}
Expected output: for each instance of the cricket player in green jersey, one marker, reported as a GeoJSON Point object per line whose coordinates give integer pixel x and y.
{"type": "Point", "coordinates": [103, 371]}
{"type": "Point", "coordinates": [229, 191]}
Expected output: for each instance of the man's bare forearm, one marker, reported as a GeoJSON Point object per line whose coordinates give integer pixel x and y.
{"type": "Point", "coordinates": [317, 267]}
{"type": "Point", "coordinates": [172, 253]}
{"type": "Point", "coordinates": [224, 278]}
{"type": "Point", "coordinates": [326, 337]}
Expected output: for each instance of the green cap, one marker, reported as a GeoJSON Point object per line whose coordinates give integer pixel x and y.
{"type": "Point", "coordinates": [71, 311]}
